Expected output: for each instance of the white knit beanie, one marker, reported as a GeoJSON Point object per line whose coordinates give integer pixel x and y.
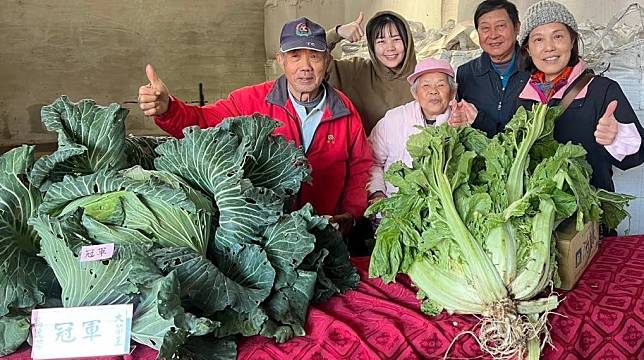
{"type": "Point", "coordinates": [545, 12]}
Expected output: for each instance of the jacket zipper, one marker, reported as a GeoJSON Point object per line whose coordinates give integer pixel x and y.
{"type": "Point", "coordinates": [299, 130]}
{"type": "Point", "coordinates": [298, 202]}
{"type": "Point", "coordinates": [299, 126]}
{"type": "Point", "coordinates": [500, 92]}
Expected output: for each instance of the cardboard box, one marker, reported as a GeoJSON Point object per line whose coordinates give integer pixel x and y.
{"type": "Point", "coordinates": [576, 250]}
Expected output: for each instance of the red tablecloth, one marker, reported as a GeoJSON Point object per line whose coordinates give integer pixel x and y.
{"type": "Point", "coordinates": [602, 318]}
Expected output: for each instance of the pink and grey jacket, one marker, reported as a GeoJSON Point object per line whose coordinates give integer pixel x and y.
{"type": "Point", "coordinates": [578, 123]}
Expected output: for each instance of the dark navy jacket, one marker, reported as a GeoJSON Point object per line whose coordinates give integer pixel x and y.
{"type": "Point", "coordinates": [481, 86]}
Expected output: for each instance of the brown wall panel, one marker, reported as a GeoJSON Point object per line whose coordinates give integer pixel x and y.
{"type": "Point", "coordinates": [98, 49]}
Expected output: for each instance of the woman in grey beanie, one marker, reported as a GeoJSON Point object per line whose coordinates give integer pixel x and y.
{"type": "Point", "coordinates": [599, 117]}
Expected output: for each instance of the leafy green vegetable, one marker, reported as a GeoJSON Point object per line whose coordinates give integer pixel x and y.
{"type": "Point", "coordinates": [91, 138]}
{"type": "Point", "coordinates": [335, 274]}
{"type": "Point", "coordinates": [257, 238]}
{"type": "Point", "coordinates": [224, 163]}
{"type": "Point", "coordinates": [160, 321]}
{"type": "Point", "coordinates": [472, 222]}
{"type": "Point", "coordinates": [614, 207]}
{"type": "Point", "coordinates": [14, 330]}
{"type": "Point", "coordinates": [241, 281]}
{"type": "Point", "coordinates": [140, 150]}
{"type": "Point", "coordinates": [134, 211]}
{"type": "Point", "coordinates": [209, 348]}
{"type": "Point", "coordinates": [25, 278]}
{"type": "Point", "coordinates": [92, 283]}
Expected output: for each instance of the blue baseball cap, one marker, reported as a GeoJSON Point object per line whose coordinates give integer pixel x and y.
{"type": "Point", "coordinates": [302, 33]}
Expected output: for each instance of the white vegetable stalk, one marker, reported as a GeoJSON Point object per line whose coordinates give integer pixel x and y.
{"type": "Point", "coordinates": [473, 220]}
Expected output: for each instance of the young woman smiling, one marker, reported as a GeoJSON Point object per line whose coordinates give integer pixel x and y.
{"type": "Point", "coordinates": [377, 84]}
{"type": "Point", "coordinates": [373, 85]}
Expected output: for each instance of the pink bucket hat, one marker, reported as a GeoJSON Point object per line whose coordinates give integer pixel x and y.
{"type": "Point", "coordinates": [431, 65]}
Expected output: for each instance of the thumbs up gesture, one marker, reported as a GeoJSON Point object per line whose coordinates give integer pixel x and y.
{"type": "Point", "coordinates": [607, 126]}
{"type": "Point", "coordinates": [153, 97]}
{"type": "Point", "coordinates": [462, 113]}
{"type": "Point", "coordinates": [353, 30]}
{"type": "Point", "coordinates": [457, 115]}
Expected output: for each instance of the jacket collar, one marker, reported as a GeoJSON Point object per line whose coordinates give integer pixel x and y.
{"type": "Point", "coordinates": [420, 117]}
{"type": "Point", "coordinates": [483, 64]}
{"type": "Point", "coordinates": [529, 93]}
{"type": "Point", "coordinates": [334, 107]}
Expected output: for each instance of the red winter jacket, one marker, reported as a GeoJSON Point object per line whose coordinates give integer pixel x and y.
{"type": "Point", "coordinates": [339, 153]}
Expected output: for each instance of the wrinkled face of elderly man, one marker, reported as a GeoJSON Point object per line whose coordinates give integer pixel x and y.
{"type": "Point", "coordinates": [304, 70]}
{"type": "Point", "coordinates": [434, 91]}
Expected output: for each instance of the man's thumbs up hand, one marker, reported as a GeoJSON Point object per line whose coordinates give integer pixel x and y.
{"type": "Point", "coordinates": [153, 97]}
{"type": "Point", "coordinates": [607, 126]}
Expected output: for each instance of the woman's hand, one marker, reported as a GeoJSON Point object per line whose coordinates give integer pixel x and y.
{"type": "Point", "coordinates": [607, 126]}
{"type": "Point", "coordinates": [353, 30]}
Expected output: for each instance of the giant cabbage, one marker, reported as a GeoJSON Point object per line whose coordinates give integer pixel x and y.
{"type": "Point", "coordinates": [207, 244]}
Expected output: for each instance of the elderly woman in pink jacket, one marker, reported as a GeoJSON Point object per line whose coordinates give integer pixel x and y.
{"type": "Point", "coordinates": [433, 88]}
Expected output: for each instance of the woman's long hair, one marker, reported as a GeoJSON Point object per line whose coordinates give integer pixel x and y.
{"type": "Point", "coordinates": [377, 26]}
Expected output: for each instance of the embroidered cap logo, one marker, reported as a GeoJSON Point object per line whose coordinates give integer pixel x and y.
{"type": "Point", "coordinates": [302, 30]}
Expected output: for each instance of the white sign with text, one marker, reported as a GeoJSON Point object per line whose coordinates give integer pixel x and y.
{"type": "Point", "coordinates": [96, 252]}
{"type": "Point", "coordinates": [81, 331]}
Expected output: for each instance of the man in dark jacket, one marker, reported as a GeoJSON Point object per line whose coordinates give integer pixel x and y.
{"type": "Point", "coordinates": [313, 115]}
{"type": "Point", "coordinates": [492, 81]}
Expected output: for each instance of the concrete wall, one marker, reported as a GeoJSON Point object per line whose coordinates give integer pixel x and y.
{"type": "Point", "coordinates": [98, 49]}
{"type": "Point", "coordinates": [598, 11]}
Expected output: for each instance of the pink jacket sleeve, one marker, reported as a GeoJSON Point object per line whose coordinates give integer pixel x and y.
{"type": "Point", "coordinates": [379, 149]}
{"type": "Point", "coordinates": [627, 141]}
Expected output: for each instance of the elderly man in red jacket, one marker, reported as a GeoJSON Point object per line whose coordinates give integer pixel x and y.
{"type": "Point", "coordinates": [314, 115]}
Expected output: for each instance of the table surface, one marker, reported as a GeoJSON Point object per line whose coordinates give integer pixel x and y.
{"type": "Point", "coordinates": [602, 318]}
